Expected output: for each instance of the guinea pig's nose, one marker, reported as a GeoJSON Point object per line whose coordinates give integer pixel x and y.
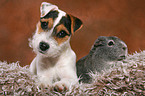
{"type": "Point", "coordinates": [43, 46]}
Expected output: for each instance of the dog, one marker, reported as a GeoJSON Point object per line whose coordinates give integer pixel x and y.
{"type": "Point", "coordinates": [55, 62]}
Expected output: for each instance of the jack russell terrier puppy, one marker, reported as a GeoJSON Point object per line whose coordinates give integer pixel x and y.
{"type": "Point", "coordinates": [55, 63]}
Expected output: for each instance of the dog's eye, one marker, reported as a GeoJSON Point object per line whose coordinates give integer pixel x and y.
{"type": "Point", "coordinates": [44, 25]}
{"type": "Point", "coordinates": [111, 43]}
{"type": "Point", "coordinates": [61, 34]}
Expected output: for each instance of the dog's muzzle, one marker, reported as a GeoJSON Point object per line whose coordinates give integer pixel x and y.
{"type": "Point", "coordinates": [43, 46]}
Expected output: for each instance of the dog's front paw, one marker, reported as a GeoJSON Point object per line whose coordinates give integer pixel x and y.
{"type": "Point", "coordinates": [60, 86]}
{"type": "Point", "coordinates": [43, 85]}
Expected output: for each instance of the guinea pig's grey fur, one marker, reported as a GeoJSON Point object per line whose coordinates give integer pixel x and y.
{"type": "Point", "coordinates": [103, 53]}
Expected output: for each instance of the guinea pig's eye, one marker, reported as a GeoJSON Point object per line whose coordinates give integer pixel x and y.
{"type": "Point", "coordinates": [61, 34]}
{"type": "Point", "coordinates": [110, 43]}
{"type": "Point", "coordinates": [44, 25]}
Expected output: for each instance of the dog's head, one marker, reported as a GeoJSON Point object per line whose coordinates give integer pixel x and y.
{"type": "Point", "coordinates": [53, 30]}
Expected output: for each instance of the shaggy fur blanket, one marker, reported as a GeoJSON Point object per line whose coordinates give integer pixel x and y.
{"type": "Point", "coordinates": [123, 78]}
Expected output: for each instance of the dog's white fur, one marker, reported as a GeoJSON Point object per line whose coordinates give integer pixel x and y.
{"type": "Point", "coordinates": [57, 66]}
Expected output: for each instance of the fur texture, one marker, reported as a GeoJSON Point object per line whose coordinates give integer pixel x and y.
{"type": "Point", "coordinates": [125, 78]}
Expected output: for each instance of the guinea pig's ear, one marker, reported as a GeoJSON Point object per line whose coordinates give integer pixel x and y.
{"type": "Point", "coordinates": [76, 23]}
{"type": "Point", "coordinates": [98, 43]}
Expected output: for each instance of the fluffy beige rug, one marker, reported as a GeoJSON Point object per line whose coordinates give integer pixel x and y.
{"type": "Point", "coordinates": [124, 78]}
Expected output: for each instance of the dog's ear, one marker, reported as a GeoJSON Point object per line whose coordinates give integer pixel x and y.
{"type": "Point", "coordinates": [76, 23]}
{"type": "Point", "coordinates": [45, 8]}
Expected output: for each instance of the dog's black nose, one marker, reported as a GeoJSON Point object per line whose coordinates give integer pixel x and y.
{"type": "Point", "coordinates": [43, 46]}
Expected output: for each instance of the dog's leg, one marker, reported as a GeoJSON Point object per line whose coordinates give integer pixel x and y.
{"type": "Point", "coordinates": [46, 79]}
{"type": "Point", "coordinates": [33, 66]}
{"type": "Point", "coordinates": [68, 78]}
{"type": "Point", "coordinates": [66, 70]}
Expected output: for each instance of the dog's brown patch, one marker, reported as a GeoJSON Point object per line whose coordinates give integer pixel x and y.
{"type": "Point", "coordinates": [50, 22]}
{"type": "Point", "coordinates": [61, 40]}
{"type": "Point", "coordinates": [39, 28]}
{"type": "Point", "coordinates": [58, 29]}
{"type": "Point", "coordinates": [61, 27]}
{"type": "Point", "coordinates": [50, 25]}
